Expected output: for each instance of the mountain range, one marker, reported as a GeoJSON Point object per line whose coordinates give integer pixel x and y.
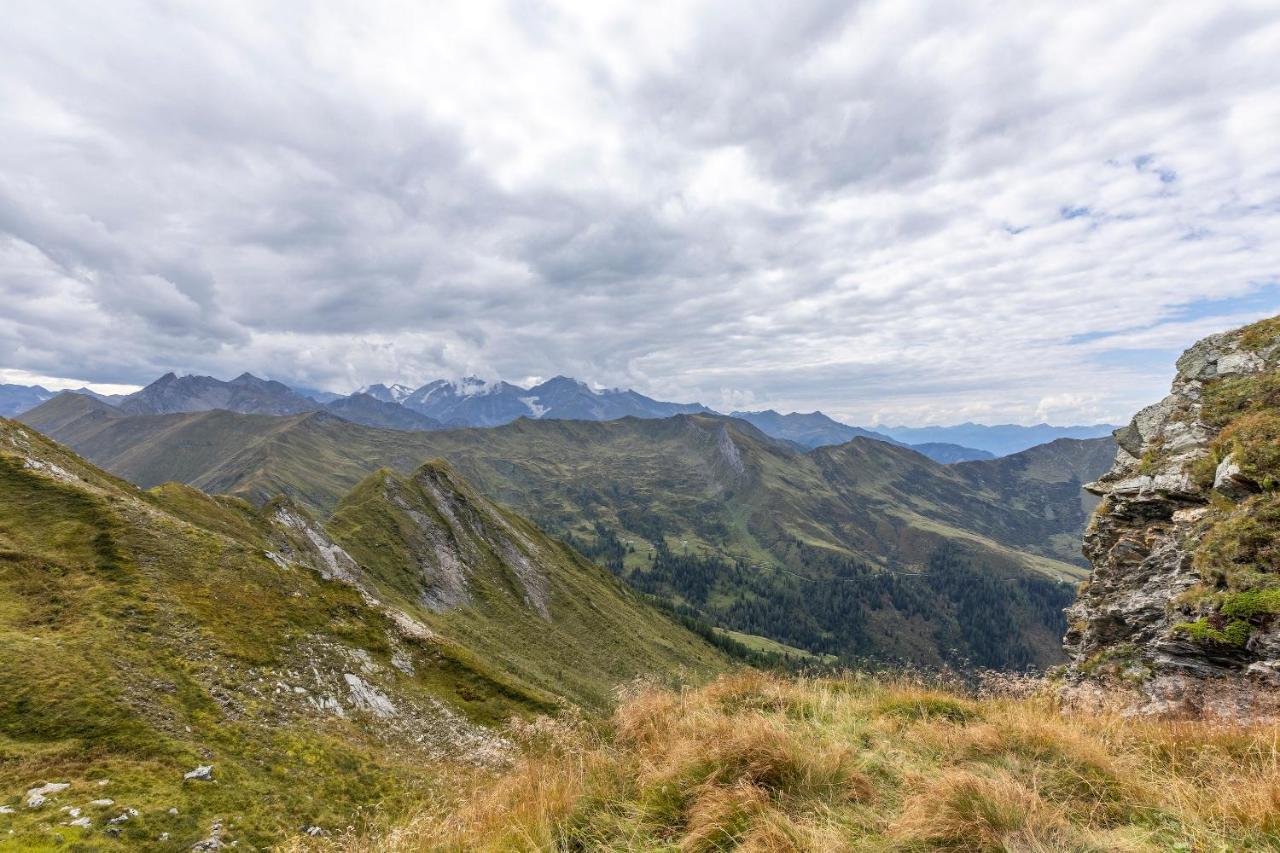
{"type": "Point", "coordinates": [225, 628]}
{"type": "Point", "coordinates": [471, 402]}
{"type": "Point", "coordinates": [195, 669]}
{"type": "Point", "coordinates": [998, 440]}
{"type": "Point", "coordinates": [15, 399]}
{"type": "Point", "coordinates": [704, 511]}
{"type": "Point", "coordinates": [818, 430]}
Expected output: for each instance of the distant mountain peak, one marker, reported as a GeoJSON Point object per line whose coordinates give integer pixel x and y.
{"type": "Point", "coordinates": [999, 439]}
{"type": "Point", "coordinates": [395, 393]}
{"type": "Point", "coordinates": [471, 401]}
{"type": "Point", "coordinates": [462, 402]}
{"type": "Point", "coordinates": [469, 386]}
{"type": "Point", "coordinates": [15, 399]}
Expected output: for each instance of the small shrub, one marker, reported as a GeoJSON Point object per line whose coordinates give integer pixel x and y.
{"type": "Point", "coordinates": [1228, 398]}
{"type": "Point", "coordinates": [1243, 545]}
{"type": "Point", "coordinates": [964, 811]}
{"type": "Point", "coordinates": [1253, 440]}
{"type": "Point", "coordinates": [720, 816]}
{"type": "Point", "coordinates": [924, 707]}
{"type": "Point", "coordinates": [1150, 465]}
{"type": "Point", "coordinates": [1203, 470]}
{"type": "Point", "coordinates": [1246, 605]}
{"type": "Point", "coordinates": [1261, 334]}
{"type": "Point", "coordinates": [1234, 633]}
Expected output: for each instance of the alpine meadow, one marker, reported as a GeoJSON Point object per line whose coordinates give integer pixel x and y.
{"type": "Point", "coordinates": [691, 426]}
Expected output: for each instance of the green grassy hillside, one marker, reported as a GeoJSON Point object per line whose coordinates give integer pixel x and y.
{"type": "Point", "coordinates": [878, 536]}
{"type": "Point", "coordinates": [145, 634]}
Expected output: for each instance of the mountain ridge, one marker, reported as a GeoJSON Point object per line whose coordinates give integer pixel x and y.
{"type": "Point", "coordinates": [470, 401]}
{"type": "Point", "coordinates": [712, 488]}
{"type": "Point", "coordinates": [293, 662]}
{"type": "Point", "coordinates": [815, 429]}
{"type": "Point", "coordinates": [998, 439]}
{"type": "Point", "coordinates": [15, 399]}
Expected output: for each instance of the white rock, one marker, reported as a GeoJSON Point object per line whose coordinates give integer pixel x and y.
{"type": "Point", "coordinates": [124, 816]}
{"type": "Point", "coordinates": [1190, 516]}
{"type": "Point", "coordinates": [6, 809]}
{"type": "Point", "coordinates": [50, 469]}
{"type": "Point", "coordinates": [1131, 486]}
{"type": "Point", "coordinates": [408, 626]}
{"type": "Point", "coordinates": [37, 797]}
{"type": "Point", "coordinates": [277, 559]}
{"type": "Point", "coordinates": [327, 704]}
{"type": "Point", "coordinates": [1177, 483]}
{"type": "Point", "coordinates": [102, 804]}
{"type": "Point", "coordinates": [368, 697]}
{"type": "Point", "coordinates": [1151, 420]}
{"type": "Point", "coordinates": [203, 773]}
{"type": "Point", "coordinates": [1240, 362]}
{"type": "Point", "coordinates": [402, 662]}
{"type": "Point", "coordinates": [82, 822]}
{"type": "Point", "coordinates": [1229, 480]}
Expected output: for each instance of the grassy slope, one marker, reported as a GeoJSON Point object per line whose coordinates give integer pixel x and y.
{"type": "Point", "coordinates": [764, 644]}
{"type": "Point", "coordinates": [144, 633]}
{"type": "Point", "coordinates": [702, 484]}
{"type": "Point", "coordinates": [763, 764]}
{"type": "Point", "coordinates": [597, 633]}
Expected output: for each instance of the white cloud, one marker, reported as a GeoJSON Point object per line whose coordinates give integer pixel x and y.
{"type": "Point", "coordinates": [892, 211]}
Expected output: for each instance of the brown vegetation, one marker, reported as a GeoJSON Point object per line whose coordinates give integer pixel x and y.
{"type": "Point", "coordinates": [761, 763]}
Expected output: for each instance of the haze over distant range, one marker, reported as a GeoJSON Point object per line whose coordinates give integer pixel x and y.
{"type": "Point", "coordinates": [893, 212]}
{"type": "Point", "coordinates": [471, 402]}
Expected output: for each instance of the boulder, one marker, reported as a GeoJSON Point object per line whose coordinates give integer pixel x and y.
{"type": "Point", "coordinates": [39, 795]}
{"type": "Point", "coordinates": [203, 773]}
{"type": "Point", "coordinates": [1228, 480]}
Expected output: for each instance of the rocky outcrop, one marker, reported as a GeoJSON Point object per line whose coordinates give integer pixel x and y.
{"type": "Point", "coordinates": [1178, 609]}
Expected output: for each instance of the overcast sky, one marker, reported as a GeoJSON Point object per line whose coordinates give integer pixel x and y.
{"type": "Point", "coordinates": [890, 211]}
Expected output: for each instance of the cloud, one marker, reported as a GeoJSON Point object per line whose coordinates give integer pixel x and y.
{"type": "Point", "coordinates": [891, 211]}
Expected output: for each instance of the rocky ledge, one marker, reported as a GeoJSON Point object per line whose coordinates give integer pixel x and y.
{"type": "Point", "coordinates": [1182, 610]}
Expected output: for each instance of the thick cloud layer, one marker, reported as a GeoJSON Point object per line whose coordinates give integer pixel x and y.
{"type": "Point", "coordinates": [893, 211]}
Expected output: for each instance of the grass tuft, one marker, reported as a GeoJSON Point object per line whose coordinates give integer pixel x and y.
{"type": "Point", "coordinates": [869, 766]}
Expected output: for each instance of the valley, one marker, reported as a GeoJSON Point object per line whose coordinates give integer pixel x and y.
{"type": "Point", "coordinates": [605, 427]}
{"type": "Point", "coordinates": [756, 525]}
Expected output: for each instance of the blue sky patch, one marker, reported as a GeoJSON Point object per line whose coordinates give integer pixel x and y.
{"type": "Point", "coordinates": [1264, 301]}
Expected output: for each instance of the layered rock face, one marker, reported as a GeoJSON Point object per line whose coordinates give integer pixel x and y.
{"type": "Point", "coordinates": [1183, 606]}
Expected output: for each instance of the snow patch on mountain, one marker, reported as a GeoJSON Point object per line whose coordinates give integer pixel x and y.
{"type": "Point", "coordinates": [534, 409]}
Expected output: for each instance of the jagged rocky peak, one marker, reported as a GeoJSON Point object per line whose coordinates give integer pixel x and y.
{"type": "Point", "coordinates": [441, 544]}
{"type": "Point", "coordinates": [1183, 606]}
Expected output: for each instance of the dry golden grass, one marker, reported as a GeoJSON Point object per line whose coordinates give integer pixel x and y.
{"type": "Point", "coordinates": [762, 763]}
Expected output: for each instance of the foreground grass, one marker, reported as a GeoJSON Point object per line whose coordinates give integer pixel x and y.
{"type": "Point", "coordinates": [757, 762]}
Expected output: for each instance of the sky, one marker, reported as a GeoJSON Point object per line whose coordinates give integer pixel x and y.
{"type": "Point", "coordinates": [895, 212]}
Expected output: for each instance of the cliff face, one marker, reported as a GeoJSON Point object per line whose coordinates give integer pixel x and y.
{"type": "Point", "coordinates": [1183, 606]}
